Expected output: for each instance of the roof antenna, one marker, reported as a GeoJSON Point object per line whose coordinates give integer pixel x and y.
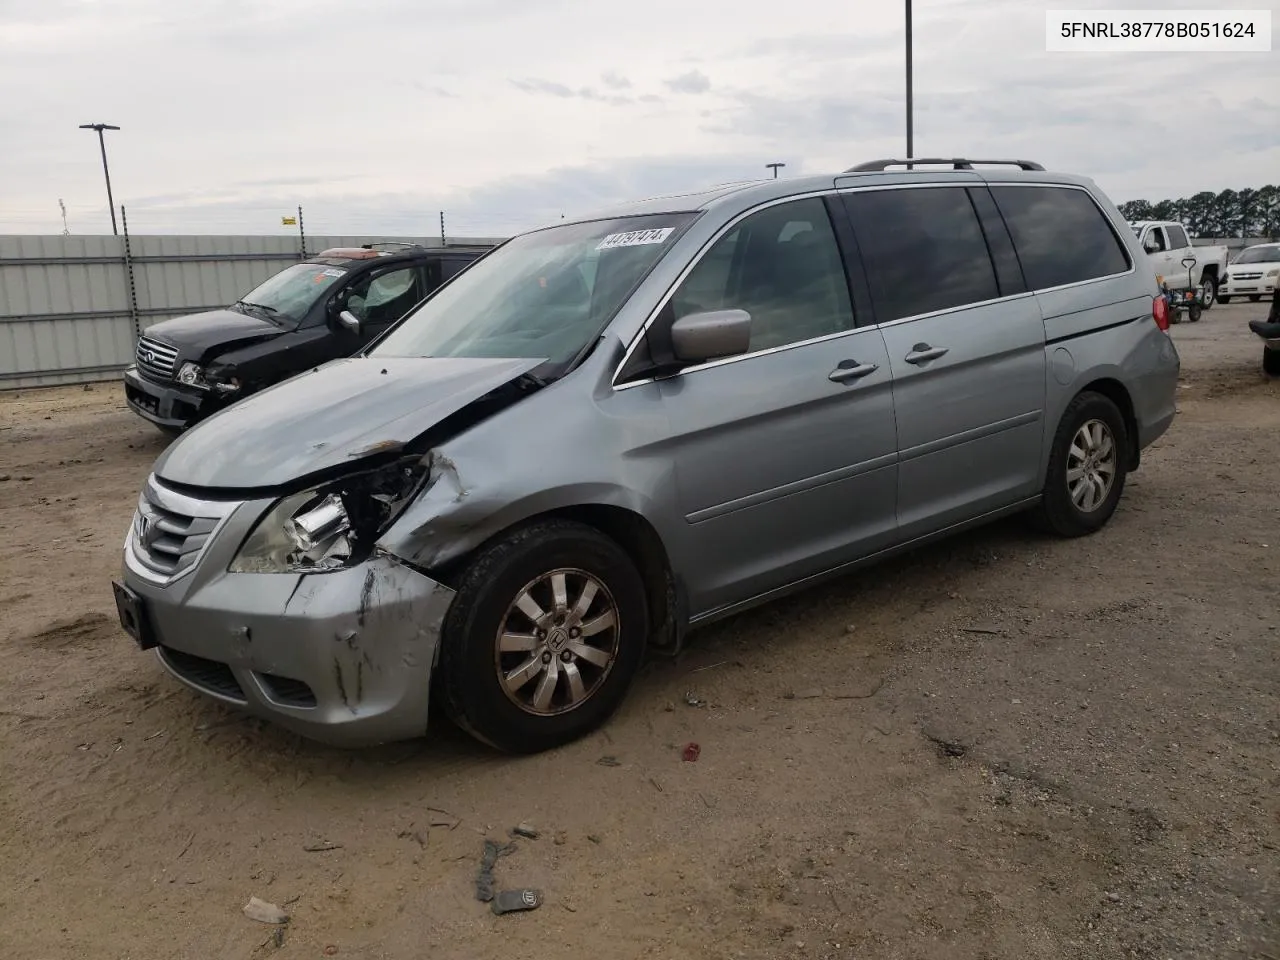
{"type": "Point", "coordinates": [66, 232]}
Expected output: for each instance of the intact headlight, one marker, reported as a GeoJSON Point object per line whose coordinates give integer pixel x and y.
{"type": "Point", "coordinates": [330, 526]}
{"type": "Point", "coordinates": [191, 375]}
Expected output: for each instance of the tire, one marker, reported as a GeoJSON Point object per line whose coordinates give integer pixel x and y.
{"type": "Point", "coordinates": [524, 565]}
{"type": "Point", "coordinates": [1208, 291]}
{"type": "Point", "coordinates": [1194, 312]}
{"type": "Point", "coordinates": [1059, 512]}
{"type": "Point", "coordinates": [1222, 299]}
{"type": "Point", "coordinates": [1271, 362]}
{"type": "Point", "coordinates": [1255, 297]}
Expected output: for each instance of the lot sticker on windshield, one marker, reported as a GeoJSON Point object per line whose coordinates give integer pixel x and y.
{"type": "Point", "coordinates": [331, 272]}
{"type": "Point", "coordinates": [635, 238]}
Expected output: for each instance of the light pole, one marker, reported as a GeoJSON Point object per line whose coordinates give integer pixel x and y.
{"type": "Point", "coordinates": [774, 167]}
{"type": "Point", "coordinates": [910, 137]}
{"type": "Point", "coordinates": [102, 144]}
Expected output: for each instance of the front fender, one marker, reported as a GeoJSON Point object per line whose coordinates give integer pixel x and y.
{"type": "Point", "coordinates": [464, 504]}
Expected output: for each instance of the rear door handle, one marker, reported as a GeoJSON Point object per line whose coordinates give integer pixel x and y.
{"type": "Point", "coordinates": [923, 353]}
{"type": "Point", "coordinates": [851, 370]}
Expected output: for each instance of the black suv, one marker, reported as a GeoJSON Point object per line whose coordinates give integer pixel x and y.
{"type": "Point", "coordinates": [326, 307]}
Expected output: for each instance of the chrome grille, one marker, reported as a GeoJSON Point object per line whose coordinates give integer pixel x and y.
{"type": "Point", "coordinates": [156, 358]}
{"type": "Point", "coordinates": [1246, 276]}
{"type": "Point", "coordinates": [170, 531]}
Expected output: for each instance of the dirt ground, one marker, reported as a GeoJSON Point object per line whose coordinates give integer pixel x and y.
{"type": "Point", "coordinates": [1004, 746]}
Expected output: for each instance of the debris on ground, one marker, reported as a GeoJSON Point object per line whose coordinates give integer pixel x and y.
{"type": "Point", "coordinates": [810, 693]}
{"type": "Point", "coordinates": [609, 762]}
{"type": "Point", "coordinates": [691, 752]}
{"type": "Point", "coordinates": [526, 830]}
{"type": "Point", "coordinates": [322, 847]}
{"type": "Point", "coordinates": [442, 818]}
{"type": "Point", "coordinates": [264, 912]}
{"type": "Point", "coordinates": [484, 878]}
{"type": "Point", "coordinates": [511, 900]}
{"type": "Point", "coordinates": [694, 701]}
{"type": "Point", "coordinates": [593, 838]}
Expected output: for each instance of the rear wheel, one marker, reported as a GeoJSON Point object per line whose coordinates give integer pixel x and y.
{"type": "Point", "coordinates": [1271, 362]}
{"type": "Point", "coordinates": [543, 638]}
{"type": "Point", "coordinates": [1087, 467]}
{"type": "Point", "coordinates": [1194, 312]}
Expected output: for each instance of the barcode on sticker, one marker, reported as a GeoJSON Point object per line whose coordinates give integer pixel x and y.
{"type": "Point", "coordinates": [635, 238]}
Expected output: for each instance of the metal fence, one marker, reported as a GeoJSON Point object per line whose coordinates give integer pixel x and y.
{"type": "Point", "coordinates": [71, 307]}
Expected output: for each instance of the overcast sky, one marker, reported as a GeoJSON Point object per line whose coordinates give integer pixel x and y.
{"type": "Point", "coordinates": [509, 113]}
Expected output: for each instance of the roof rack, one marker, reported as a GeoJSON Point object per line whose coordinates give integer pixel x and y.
{"type": "Point", "coordinates": [957, 163]}
{"type": "Point", "coordinates": [391, 243]}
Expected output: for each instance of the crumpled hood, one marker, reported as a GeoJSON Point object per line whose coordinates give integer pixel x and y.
{"type": "Point", "coordinates": [328, 417]}
{"type": "Point", "coordinates": [214, 330]}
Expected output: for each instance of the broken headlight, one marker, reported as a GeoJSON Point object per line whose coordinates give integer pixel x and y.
{"type": "Point", "coordinates": [330, 526]}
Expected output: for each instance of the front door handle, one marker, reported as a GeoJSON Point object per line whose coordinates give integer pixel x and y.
{"type": "Point", "coordinates": [923, 353]}
{"type": "Point", "coordinates": [851, 370]}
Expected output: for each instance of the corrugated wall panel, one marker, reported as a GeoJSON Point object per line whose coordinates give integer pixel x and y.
{"type": "Point", "coordinates": [64, 301]}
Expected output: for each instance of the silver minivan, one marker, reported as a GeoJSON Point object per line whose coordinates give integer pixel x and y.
{"type": "Point", "coordinates": [607, 432]}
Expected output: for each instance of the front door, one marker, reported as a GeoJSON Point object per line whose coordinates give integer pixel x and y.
{"type": "Point", "coordinates": [967, 355]}
{"type": "Point", "coordinates": [382, 297]}
{"type": "Point", "coordinates": [784, 457]}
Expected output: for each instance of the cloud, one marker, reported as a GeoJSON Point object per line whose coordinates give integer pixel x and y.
{"type": "Point", "coordinates": [505, 113]}
{"type": "Point", "coordinates": [695, 81]}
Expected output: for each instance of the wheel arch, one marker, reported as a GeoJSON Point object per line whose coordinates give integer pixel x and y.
{"type": "Point", "coordinates": [628, 527]}
{"type": "Point", "coordinates": [1117, 393]}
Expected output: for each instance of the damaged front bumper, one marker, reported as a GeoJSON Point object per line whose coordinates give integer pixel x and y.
{"type": "Point", "coordinates": [343, 657]}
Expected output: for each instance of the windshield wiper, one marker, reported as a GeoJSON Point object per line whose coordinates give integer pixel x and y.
{"type": "Point", "coordinates": [269, 311]}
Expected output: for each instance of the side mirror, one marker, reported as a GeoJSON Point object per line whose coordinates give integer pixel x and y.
{"type": "Point", "coordinates": [1189, 262]}
{"type": "Point", "coordinates": [711, 335]}
{"type": "Point", "coordinates": [349, 320]}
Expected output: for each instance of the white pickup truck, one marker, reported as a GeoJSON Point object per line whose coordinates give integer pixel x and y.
{"type": "Point", "coordinates": [1167, 246]}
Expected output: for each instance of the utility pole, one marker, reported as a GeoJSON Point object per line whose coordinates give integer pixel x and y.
{"type": "Point", "coordinates": [774, 167]}
{"type": "Point", "coordinates": [102, 145]}
{"type": "Point", "coordinates": [910, 131]}
{"type": "Point", "coordinates": [443, 241]}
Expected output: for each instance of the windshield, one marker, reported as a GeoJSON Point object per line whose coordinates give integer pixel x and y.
{"type": "Point", "coordinates": [292, 292]}
{"type": "Point", "coordinates": [1259, 255]}
{"type": "Point", "coordinates": [543, 295]}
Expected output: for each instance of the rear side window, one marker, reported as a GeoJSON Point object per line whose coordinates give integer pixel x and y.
{"type": "Point", "coordinates": [1060, 234]}
{"type": "Point", "coordinates": [1177, 238]}
{"type": "Point", "coordinates": [923, 249]}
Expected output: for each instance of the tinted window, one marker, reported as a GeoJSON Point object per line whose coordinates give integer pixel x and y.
{"type": "Point", "coordinates": [450, 267]}
{"type": "Point", "coordinates": [1061, 235]}
{"type": "Point", "coordinates": [781, 265]}
{"type": "Point", "coordinates": [923, 249]}
{"type": "Point", "coordinates": [1177, 238]}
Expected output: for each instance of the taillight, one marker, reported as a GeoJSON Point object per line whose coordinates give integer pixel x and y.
{"type": "Point", "coordinates": [1160, 312]}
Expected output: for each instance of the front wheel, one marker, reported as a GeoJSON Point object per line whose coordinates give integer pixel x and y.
{"type": "Point", "coordinates": [543, 637]}
{"type": "Point", "coordinates": [1208, 292]}
{"type": "Point", "coordinates": [1087, 467]}
{"type": "Point", "coordinates": [1271, 362]}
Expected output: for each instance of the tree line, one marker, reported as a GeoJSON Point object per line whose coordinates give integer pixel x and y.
{"type": "Point", "coordinates": [1231, 213]}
